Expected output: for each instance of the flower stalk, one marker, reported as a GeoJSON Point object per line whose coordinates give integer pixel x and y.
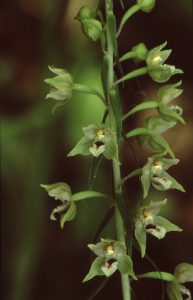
{"type": "Point", "coordinates": [116, 165]}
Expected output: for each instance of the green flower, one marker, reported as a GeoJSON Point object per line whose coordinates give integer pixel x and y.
{"type": "Point", "coordinates": [67, 209]}
{"type": "Point", "coordinates": [176, 290]}
{"type": "Point", "coordinates": [159, 71]}
{"type": "Point", "coordinates": [155, 126]}
{"type": "Point", "coordinates": [97, 140]}
{"type": "Point", "coordinates": [111, 256]}
{"type": "Point", "coordinates": [147, 221]}
{"type": "Point", "coordinates": [165, 95]}
{"type": "Point", "coordinates": [61, 86]}
{"type": "Point", "coordinates": [154, 172]}
{"type": "Point", "coordinates": [91, 27]}
{"type": "Point", "coordinates": [146, 5]}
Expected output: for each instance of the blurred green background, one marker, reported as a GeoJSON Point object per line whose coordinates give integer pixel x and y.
{"type": "Point", "coordinates": [39, 260]}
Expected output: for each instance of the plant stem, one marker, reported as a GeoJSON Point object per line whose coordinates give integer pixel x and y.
{"type": "Point", "coordinates": [133, 74]}
{"type": "Point", "coordinates": [116, 166]}
{"type": "Point", "coordinates": [133, 9]}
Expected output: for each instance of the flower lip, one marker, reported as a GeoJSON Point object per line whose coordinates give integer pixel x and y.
{"type": "Point", "coordinates": [98, 144]}
{"type": "Point", "coordinates": [110, 262]}
{"type": "Point", "coordinates": [150, 226]}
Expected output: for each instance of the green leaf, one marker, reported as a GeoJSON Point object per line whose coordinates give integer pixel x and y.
{"type": "Point", "coordinates": [82, 147]}
{"type": "Point", "coordinates": [158, 275]}
{"type": "Point", "coordinates": [125, 265]}
{"type": "Point", "coordinates": [69, 215]}
{"type": "Point", "coordinates": [131, 11]}
{"type": "Point", "coordinates": [95, 269]}
{"type": "Point", "coordinates": [162, 222]}
{"type": "Point", "coordinates": [173, 291]}
{"type": "Point", "coordinates": [184, 273]}
{"type": "Point", "coordinates": [140, 235]}
{"type": "Point", "coordinates": [87, 194]}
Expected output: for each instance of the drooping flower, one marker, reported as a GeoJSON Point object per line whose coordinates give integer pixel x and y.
{"type": "Point", "coordinates": [61, 86]}
{"type": "Point", "coordinates": [165, 95]}
{"type": "Point", "coordinates": [155, 126]}
{"type": "Point", "coordinates": [147, 221]}
{"type": "Point", "coordinates": [176, 290]}
{"type": "Point", "coordinates": [111, 256]}
{"type": "Point", "coordinates": [61, 192]}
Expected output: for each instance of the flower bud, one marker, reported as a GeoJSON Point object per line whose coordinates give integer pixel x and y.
{"type": "Point", "coordinates": [92, 28]}
{"type": "Point", "coordinates": [140, 51]}
{"type": "Point", "coordinates": [85, 13]}
{"type": "Point", "coordinates": [146, 5]}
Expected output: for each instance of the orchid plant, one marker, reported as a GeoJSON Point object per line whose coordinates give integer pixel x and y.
{"type": "Point", "coordinates": [113, 254]}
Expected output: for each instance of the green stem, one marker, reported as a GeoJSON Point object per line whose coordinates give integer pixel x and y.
{"type": "Point", "coordinates": [88, 90]}
{"type": "Point", "coordinates": [127, 56]}
{"type": "Point", "coordinates": [132, 74]}
{"type": "Point", "coordinates": [116, 166]}
{"type": "Point", "coordinates": [141, 106]}
{"type": "Point", "coordinates": [131, 11]}
{"type": "Point", "coordinates": [130, 175]}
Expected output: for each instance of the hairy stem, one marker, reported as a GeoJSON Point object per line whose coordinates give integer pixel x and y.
{"type": "Point", "coordinates": [116, 166]}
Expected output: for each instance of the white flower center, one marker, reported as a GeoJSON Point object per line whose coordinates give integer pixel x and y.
{"type": "Point", "coordinates": [110, 250]}
{"type": "Point", "coordinates": [147, 215]}
{"type": "Point", "coordinates": [100, 134]}
{"type": "Point", "coordinates": [157, 166]}
{"type": "Point", "coordinates": [157, 59]}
